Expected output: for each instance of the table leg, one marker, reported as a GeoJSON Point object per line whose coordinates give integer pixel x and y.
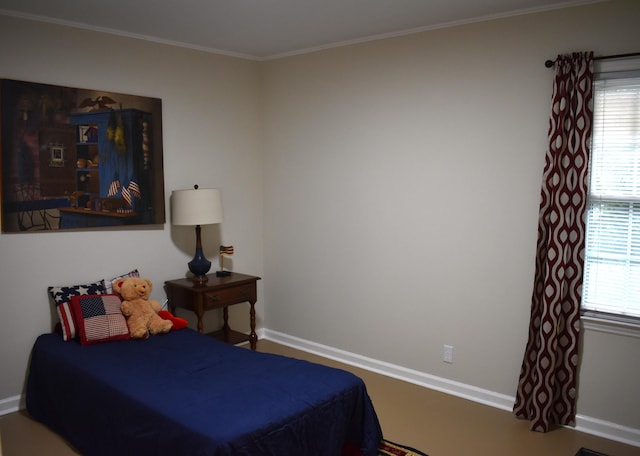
{"type": "Point", "coordinates": [200, 325]}
{"type": "Point", "coordinates": [199, 313]}
{"type": "Point", "coordinates": [253, 337]}
{"type": "Point", "coordinates": [225, 318]}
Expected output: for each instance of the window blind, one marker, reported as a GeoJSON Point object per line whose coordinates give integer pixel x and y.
{"type": "Point", "coordinates": [612, 257]}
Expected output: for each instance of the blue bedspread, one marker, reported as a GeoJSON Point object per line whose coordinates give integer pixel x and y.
{"type": "Point", "coordinates": [187, 394]}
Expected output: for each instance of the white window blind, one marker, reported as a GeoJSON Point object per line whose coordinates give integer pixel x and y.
{"type": "Point", "coordinates": [612, 260]}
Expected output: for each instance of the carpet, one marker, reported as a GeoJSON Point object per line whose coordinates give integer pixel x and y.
{"type": "Point", "coordinates": [388, 448]}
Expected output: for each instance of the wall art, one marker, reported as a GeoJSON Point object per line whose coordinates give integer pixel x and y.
{"type": "Point", "coordinates": [77, 158]}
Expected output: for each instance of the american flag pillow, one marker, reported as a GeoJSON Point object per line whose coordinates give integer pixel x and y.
{"type": "Point", "coordinates": [99, 318]}
{"type": "Point", "coordinates": [61, 297]}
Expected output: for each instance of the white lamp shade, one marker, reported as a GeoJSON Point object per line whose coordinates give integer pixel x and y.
{"type": "Point", "coordinates": [202, 206]}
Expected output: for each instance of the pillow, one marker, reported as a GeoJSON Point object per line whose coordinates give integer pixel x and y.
{"type": "Point", "coordinates": [61, 297]}
{"type": "Point", "coordinates": [99, 318]}
{"type": "Point", "coordinates": [108, 283]}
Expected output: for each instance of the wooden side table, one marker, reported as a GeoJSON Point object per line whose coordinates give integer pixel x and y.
{"type": "Point", "coordinates": [217, 293]}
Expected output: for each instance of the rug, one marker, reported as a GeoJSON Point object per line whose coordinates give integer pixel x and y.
{"type": "Point", "coordinates": [388, 448]}
{"type": "Point", "coordinates": [587, 452]}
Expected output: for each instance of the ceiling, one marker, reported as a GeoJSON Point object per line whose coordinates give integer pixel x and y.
{"type": "Point", "coordinates": [263, 29]}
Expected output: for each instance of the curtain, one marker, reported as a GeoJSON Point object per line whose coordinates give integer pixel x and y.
{"type": "Point", "coordinates": [547, 387]}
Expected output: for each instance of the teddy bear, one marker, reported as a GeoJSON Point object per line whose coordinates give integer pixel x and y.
{"type": "Point", "coordinates": [141, 312]}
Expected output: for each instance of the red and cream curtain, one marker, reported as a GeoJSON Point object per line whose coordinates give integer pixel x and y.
{"type": "Point", "coordinates": [547, 387]}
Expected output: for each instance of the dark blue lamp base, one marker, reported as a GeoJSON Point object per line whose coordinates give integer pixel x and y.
{"type": "Point", "coordinates": [199, 266]}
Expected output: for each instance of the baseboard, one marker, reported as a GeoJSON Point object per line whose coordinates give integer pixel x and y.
{"type": "Point", "coordinates": [11, 404]}
{"type": "Point", "coordinates": [444, 385]}
{"type": "Point", "coordinates": [608, 430]}
{"type": "Point", "coordinates": [588, 425]}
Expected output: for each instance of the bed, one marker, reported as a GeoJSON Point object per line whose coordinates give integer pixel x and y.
{"type": "Point", "coordinates": [184, 393]}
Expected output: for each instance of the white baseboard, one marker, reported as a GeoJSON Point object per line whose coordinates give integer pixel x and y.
{"type": "Point", "coordinates": [588, 425]}
{"type": "Point", "coordinates": [11, 404]}
{"type": "Point", "coordinates": [608, 430]}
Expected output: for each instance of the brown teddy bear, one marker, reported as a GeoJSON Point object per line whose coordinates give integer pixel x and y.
{"type": "Point", "coordinates": [141, 312]}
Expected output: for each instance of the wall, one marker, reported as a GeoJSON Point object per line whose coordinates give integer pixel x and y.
{"type": "Point", "coordinates": [402, 182]}
{"type": "Point", "coordinates": [396, 184]}
{"type": "Point", "coordinates": [211, 127]}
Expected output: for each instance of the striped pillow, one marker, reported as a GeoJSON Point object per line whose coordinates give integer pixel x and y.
{"type": "Point", "coordinates": [108, 283]}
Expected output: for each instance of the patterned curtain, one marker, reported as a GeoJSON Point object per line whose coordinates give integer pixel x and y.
{"type": "Point", "coordinates": [547, 387]}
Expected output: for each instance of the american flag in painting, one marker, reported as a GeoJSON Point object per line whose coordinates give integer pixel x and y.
{"type": "Point", "coordinates": [134, 188]}
{"type": "Point", "coordinates": [114, 187]}
{"type": "Point", "coordinates": [126, 194]}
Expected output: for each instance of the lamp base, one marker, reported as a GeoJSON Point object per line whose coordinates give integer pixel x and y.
{"type": "Point", "coordinates": [223, 273]}
{"type": "Point", "coordinates": [199, 266]}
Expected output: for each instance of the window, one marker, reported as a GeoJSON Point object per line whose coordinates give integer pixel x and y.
{"type": "Point", "coordinates": [611, 286]}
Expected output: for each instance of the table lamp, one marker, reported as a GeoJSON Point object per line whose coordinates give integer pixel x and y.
{"type": "Point", "coordinates": [200, 206]}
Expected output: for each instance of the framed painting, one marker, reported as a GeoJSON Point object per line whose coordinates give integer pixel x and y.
{"type": "Point", "coordinates": [76, 158]}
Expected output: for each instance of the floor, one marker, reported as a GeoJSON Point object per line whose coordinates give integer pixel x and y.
{"type": "Point", "coordinates": [435, 423]}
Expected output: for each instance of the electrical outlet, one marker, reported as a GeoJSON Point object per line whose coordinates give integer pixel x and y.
{"type": "Point", "coordinates": [447, 354]}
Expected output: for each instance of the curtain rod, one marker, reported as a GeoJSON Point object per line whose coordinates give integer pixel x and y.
{"type": "Point", "coordinates": [550, 63]}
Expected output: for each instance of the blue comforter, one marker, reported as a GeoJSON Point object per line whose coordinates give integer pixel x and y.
{"type": "Point", "coordinates": [184, 393]}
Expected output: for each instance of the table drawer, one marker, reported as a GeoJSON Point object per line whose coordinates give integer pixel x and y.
{"type": "Point", "coordinates": [226, 297]}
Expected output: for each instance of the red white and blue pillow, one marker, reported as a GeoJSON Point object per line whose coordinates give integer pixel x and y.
{"type": "Point", "coordinates": [99, 318]}
{"type": "Point", "coordinates": [61, 297]}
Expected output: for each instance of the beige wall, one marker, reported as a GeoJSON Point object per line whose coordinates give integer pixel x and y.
{"type": "Point", "coordinates": [394, 184]}
{"type": "Point", "coordinates": [402, 182]}
{"type": "Point", "coordinates": [211, 128]}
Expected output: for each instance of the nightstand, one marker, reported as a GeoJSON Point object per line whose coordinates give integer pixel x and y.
{"type": "Point", "coordinates": [217, 293]}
